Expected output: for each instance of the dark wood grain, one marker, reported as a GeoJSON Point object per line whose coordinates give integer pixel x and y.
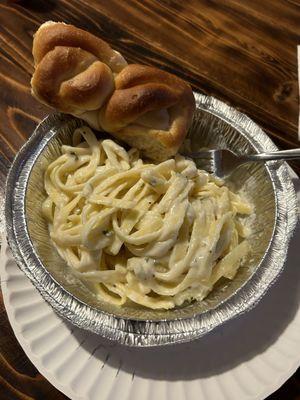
{"type": "Point", "coordinates": [241, 51]}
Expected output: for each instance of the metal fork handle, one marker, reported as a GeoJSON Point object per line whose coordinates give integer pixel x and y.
{"type": "Point", "coordinates": [276, 155]}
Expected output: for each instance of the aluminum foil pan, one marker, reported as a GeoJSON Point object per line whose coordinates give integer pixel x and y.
{"type": "Point", "coordinates": [267, 186]}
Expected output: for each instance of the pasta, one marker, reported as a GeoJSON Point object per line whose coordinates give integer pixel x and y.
{"type": "Point", "coordinates": [159, 235]}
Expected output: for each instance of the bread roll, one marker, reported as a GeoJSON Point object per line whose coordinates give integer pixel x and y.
{"type": "Point", "coordinates": [150, 109]}
{"type": "Point", "coordinates": [80, 74]}
{"type": "Point", "coordinates": [74, 70]}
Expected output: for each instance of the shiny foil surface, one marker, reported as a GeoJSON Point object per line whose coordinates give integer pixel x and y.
{"type": "Point", "coordinates": [267, 186]}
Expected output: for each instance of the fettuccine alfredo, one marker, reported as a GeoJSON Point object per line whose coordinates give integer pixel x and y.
{"type": "Point", "coordinates": [159, 235]}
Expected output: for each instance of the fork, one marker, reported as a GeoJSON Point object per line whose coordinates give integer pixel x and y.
{"type": "Point", "coordinates": [223, 162]}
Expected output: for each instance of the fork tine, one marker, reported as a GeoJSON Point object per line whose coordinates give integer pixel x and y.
{"type": "Point", "coordinates": [205, 164]}
{"type": "Point", "coordinates": [207, 155]}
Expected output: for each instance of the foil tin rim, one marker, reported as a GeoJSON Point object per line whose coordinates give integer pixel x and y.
{"type": "Point", "coordinates": [147, 332]}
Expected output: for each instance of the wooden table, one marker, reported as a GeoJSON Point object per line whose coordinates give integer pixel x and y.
{"type": "Point", "coordinates": [241, 51]}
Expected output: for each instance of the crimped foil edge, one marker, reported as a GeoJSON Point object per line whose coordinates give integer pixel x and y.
{"type": "Point", "coordinates": [150, 333]}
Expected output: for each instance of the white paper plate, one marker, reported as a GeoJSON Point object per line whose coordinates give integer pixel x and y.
{"type": "Point", "coordinates": [246, 359]}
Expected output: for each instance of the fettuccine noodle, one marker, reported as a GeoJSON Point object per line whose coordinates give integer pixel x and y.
{"type": "Point", "coordinates": [159, 235]}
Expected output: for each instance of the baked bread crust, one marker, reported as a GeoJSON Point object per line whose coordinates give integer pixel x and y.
{"type": "Point", "coordinates": [52, 34]}
{"type": "Point", "coordinates": [134, 111]}
{"type": "Point", "coordinates": [74, 70]}
{"type": "Point", "coordinates": [80, 74]}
